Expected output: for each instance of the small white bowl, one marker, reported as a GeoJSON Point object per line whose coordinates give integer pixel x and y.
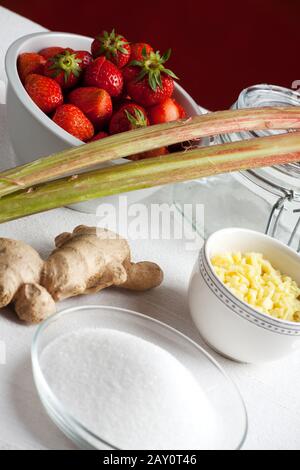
{"type": "Point", "coordinates": [33, 133]}
{"type": "Point", "coordinates": [230, 326]}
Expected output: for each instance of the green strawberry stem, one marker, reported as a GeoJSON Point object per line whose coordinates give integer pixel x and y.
{"type": "Point", "coordinates": [66, 62]}
{"type": "Point", "coordinates": [141, 140]}
{"type": "Point", "coordinates": [181, 166]}
{"type": "Point", "coordinates": [138, 119]}
{"type": "Point", "coordinates": [152, 66]}
{"type": "Point", "coordinates": [111, 43]}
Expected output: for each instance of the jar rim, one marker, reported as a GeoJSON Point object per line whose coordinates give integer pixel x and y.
{"type": "Point", "coordinates": [285, 176]}
{"type": "Point", "coordinates": [264, 92]}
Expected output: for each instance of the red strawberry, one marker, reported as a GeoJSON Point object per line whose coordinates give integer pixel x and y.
{"type": "Point", "coordinates": [113, 46]}
{"type": "Point", "coordinates": [94, 102]}
{"type": "Point", "coordinates": [104, 74]}
{"type": "Point", "coordinates": [85, 57]}
{"type": "Point", "coordinates": [142, 93]}
{"type": "Point", "coordinates": [182, 112]}
{"type": "Point", "coordinates": [72, 120]}
{"type": "Point", "coordinates": [65, 68]}
{"type": "Point", "coordinates": [167, 110]}
{"type": "Point", "coordinates": [130, 73]}
{"type": "Point", "coordinates": [30, 62]}
{"type": "Point", "coordinates": [153, 83]}
{"type": "Point", "coordinates": [149, 154]}
{"type": "Point", "coordinates": [99, 136]}
{"type": "Point", "coordinates": [44, 91]}
{"type": "Point", "coordinates": [138, 49]}
{"type": "Point", "coordinates": [48, 52]}
{"type": "Point", "coordinates": [130, 116]}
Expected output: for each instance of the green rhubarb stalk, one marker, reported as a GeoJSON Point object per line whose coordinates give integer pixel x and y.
{"type": "Point", "coordinates": [197, 163]}
{"type": "Point", "coordinates": [140, 140]}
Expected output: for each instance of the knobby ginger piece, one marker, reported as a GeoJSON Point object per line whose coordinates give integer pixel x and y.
{"type": "Point", "coordinates": [85, 261]}
{"type": "Point", "coordinates": [20, 271]}
{"type": "Point", "coordinates": [90, 259]}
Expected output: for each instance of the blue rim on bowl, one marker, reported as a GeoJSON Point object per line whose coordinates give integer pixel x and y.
{"type": "Point", "coordinates": [237, 305]}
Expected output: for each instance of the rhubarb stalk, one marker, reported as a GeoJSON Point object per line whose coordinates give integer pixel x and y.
{"type": "Point", "coordinates": [196, 163]}
{"type": "Point", "coordinates": [140, 140]}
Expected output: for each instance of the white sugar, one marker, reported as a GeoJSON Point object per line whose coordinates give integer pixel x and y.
{"type": "Point", "coordinates": [128, 391]}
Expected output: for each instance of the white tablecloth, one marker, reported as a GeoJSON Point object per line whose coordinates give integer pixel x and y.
{"type": "Point", "coordinates": [271, 392]}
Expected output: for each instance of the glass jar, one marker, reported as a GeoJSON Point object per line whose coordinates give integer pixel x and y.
{"type": "Point", "coordinates": [266, 199]}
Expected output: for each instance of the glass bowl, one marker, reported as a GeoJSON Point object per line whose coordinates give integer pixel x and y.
{"type": "Point", "coordinates": [228, 430]}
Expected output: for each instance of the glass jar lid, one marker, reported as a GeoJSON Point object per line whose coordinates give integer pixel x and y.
{"type": "Point", "coordinates": [281, 180]}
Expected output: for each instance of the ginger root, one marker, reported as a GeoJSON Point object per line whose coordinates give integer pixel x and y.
{"type": "Point", "coordinates": [33, 303]}
{"type": "Point", "coordinates": [85, 261]}
{"type": "Point", "coordinates": [91, 259]}
{"type": "Point", "coordinates": [20, 272]}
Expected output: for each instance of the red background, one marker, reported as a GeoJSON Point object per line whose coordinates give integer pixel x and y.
{"type": "Point", "coordinates": [219, 47]}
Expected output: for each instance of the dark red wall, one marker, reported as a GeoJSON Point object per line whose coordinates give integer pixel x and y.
{"type": "Point", "coordinates": [219, 47]}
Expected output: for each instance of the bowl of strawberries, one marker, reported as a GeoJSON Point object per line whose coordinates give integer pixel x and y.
{"type": "Point", "coordinates": [65, 90]}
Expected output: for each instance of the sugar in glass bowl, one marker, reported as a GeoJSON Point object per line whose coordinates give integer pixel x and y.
{"type": "Point", "coordinates": [224, 427]}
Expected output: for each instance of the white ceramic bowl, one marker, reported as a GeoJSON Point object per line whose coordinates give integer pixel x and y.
{"type": "Point", "coordinates": [33, 133]}
{"type": "Point", "coordinates": [229, 325]}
